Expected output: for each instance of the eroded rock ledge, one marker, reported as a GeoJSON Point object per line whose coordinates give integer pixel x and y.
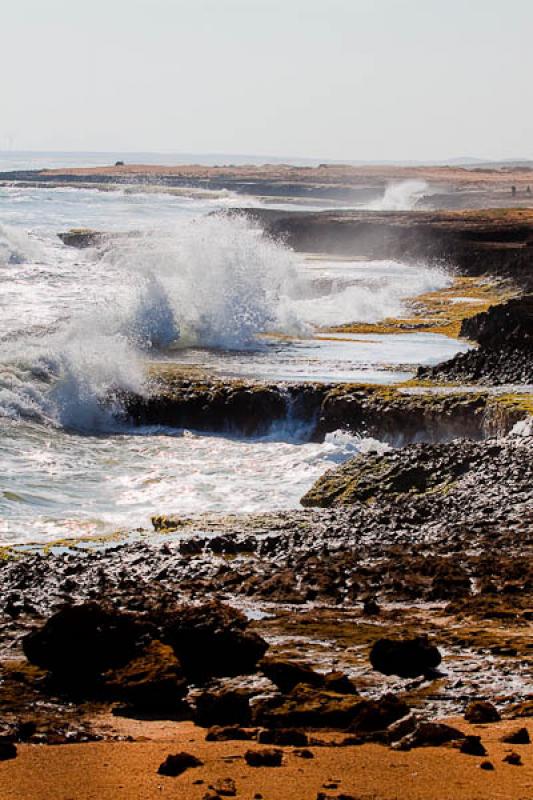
{"type": "Point", "coordinates": [497, 242]}
{"type": "Point", "coordinates": [397, 416]}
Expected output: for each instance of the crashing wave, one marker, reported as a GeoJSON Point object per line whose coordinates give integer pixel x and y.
{"type": "Point", "coordinates": [16, 246]}
{"type": "Point", "coordinates": [213, 281]}
{"type": "Point", "coordinates": [401, 196]}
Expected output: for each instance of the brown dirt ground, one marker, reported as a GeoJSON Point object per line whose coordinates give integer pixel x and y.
{"type": "Point", "coordinates": [323, 174]}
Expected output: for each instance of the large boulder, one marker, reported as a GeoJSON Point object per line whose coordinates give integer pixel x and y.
{"type": "Point", "coordinates": [407, 658]}
{"type": "Point", "coordinates": [80, 642]}
{"type": "Point", "coordinates": [211, 640]}
{"type": "Point", "coordinates": [309, 707]}
{"type": "Point", "coordinates": [153, 680]}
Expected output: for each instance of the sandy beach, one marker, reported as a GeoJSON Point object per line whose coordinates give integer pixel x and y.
{"type": "Point", "coordinates": [109, 771]}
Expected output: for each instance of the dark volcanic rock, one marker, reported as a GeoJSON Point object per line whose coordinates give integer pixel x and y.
{"type": "Point", "coordinates": [212, 640]}
{"type": "Point", "coordinates": [519, 736]}
{"type": "Point", "coordinates": [317, 708]}
{"type": "Point", "coordinates": [515, 759]}
{"type": "Point", "coordinates": [8, 750]}
{"type": "Point", "coordinates": [491, 366]}
{"type": "Point", "coordinates": [288, 674]}
{"type": "Point", "coordinates": [481, 711]}
{"type": "Point", "coordinates": [269, 757]}
{"type": "Point", "coordinates": [229, 733]}
{"type": "Point", "coordinates": [176, 764]}
{"type": "Point", "coordinates": [377, 715]}
{"type": "Point", "coordinates": [82, 238]}
{"type": "Point", "coordinates": [153, 680]}
{"type": "Point", "coordinates": [471, 746]}
{"type": "Point", "coordinates": [429, 734]}
{"type": "Point", "coordinates": [80, 642]}
{"type": "Point", "coordinates": [414, 470]}
{"type": "Point", "coordinates": [509, 323]}
{"type": "Point", "coordinates": [407, 658]}
{"type": "Point", "coordinates": [309, 707]}
{"type": "Point", "coordinates": [223, 707]}
{"type": "Point", "coordinates": [283, 737]}
{"type": "Point", "coordinates": [505, 333]}
{"type": "Point", "coordinates": [339, 682]}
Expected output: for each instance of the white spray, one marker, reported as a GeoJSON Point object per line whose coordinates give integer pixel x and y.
{"type": "Point", "coordinates": [402, 196]}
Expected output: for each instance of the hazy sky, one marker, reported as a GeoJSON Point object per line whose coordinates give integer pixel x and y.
{"type": "Point", "coordinates": [341, 79]}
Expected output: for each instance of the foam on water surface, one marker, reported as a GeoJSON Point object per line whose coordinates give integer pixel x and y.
{"type": "Point", "coordinates": [77, 328]}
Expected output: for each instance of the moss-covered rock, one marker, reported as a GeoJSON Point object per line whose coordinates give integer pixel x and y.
{"type": "Point", "coordinates": [418, 469]}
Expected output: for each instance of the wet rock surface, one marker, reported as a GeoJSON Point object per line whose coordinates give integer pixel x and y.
{"type": "Point", "coordinates": [505, 355]}
{"type": "Point", "coordinates": [437, 536]}
{"type": "Point", "coordinates": [254, 408]}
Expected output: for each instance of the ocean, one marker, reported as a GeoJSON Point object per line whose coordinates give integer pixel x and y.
{"type": "Point", "coordinates": [189, 287]}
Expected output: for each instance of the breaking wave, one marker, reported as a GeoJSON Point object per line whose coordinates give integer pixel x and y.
{"type": "Point", "coordinates": [212, 281]}
{"type": "Point", "coordinates": [16, 246]}
{"type": "Point", "coordinates": [402, 196]}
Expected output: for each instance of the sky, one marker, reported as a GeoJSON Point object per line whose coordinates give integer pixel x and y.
{"type": "Point", "coordinates": [334, 79]}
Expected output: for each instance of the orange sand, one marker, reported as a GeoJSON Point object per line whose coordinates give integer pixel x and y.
{"type": "Point", "coordinates": [107, 771]}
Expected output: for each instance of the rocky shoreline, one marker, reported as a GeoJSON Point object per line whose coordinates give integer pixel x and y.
{"type": "Point", "coordinates": [337, 184]}
{"type": "Point", "coordinates": [399, 595]}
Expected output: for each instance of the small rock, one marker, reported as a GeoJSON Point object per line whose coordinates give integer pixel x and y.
{"type": "Point", "coordinates": [225, 787]}
{"type": "Point", "coordinates": [513, 758]}
{"type": "Point", "coordinates": [340, 683]}
{"type": "Point", "coordinates": [283, 737]}
{"type": "Point", "coordinates": [174, 765]}
{"type": "Point", "coordinates": [324, 796]}
{"type": "Point", "coordinates": [8, 750]}
{"type": "Point", "coordinates": [270, 757]}
{"type": "Point", "coordinates": [371, 607]}
{"type": "Point", "coordinates": [304, 753]}
{"type": "Point", "coordinates": [228, 733]}
{"type": "Point", "coordinates": [471, 746]}
{"type": "Point", "coordinates": [519, 736]}
{"type": "Point", "coordinates": [487, 765]}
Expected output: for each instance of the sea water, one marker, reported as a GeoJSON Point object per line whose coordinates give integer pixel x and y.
{"type": "Point", "coordinates": [189, 287]}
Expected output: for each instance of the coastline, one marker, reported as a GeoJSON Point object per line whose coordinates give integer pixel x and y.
{"type": "Point", "coordinates": [435, 535]}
